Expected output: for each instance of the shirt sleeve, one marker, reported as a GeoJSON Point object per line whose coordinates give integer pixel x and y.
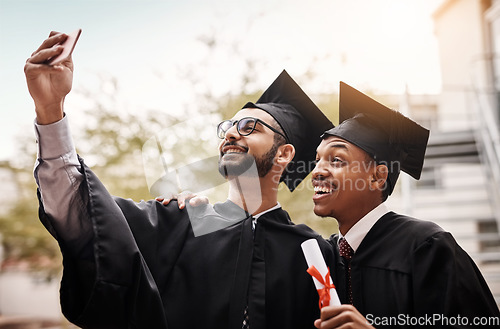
{"type": "Point", "coordinates": [57, 174]}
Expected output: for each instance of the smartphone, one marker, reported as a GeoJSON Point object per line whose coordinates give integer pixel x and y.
{"type": "Point", "coordinates": [69, 45]}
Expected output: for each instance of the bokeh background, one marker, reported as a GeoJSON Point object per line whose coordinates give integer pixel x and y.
{"type": "Point", "coordinates": [174, 69]}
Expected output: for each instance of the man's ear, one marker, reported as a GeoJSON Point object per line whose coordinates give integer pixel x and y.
{"type": "Point", "coordinates": [285, 154]}
{"type": "Point", "coordinates": [379, 177]}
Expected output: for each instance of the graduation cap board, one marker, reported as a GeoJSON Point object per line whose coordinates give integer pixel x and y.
{"type": "Point", "coordinates": [386, 135]}
{"type": "Point", "coordinates": [301, 120]}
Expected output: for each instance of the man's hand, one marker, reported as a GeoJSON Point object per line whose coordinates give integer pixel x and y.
{"type": "Point", "coordinates": [193, 199]}
{"type": "Point", "coordinates": [49, 84]}
{"type": "Point", "coordinates": [343, 316]}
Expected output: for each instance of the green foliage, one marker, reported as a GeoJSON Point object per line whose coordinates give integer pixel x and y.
{"type": "Point", "coordinates": [25, 242]}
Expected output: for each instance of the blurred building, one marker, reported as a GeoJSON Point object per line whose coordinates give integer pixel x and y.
{"type": "Point", "coordinates": [460, 184]}
{"type": "Point", "coordinates": [27, 300]}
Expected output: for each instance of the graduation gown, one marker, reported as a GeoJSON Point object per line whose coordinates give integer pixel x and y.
{"type": "Point", "coordinates": [406, 267]}
{"type": "Point", "coordinates": [144, 268]}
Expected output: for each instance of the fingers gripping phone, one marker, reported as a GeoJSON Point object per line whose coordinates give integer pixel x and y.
{"type": "Point", "coordinates": [69, 45]}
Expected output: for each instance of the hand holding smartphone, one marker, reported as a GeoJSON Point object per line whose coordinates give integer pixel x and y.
{"type": "Point", "coordinates": [69, 45]}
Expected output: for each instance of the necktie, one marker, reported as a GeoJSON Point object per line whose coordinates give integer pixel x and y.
{"type": "Point", "coordinates": [246, 322]}
{"type": "Point", "coordinates": [346, 252]}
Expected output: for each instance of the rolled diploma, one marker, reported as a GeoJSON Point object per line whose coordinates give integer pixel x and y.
{"type": "Point", "coordinates": [313, 256]}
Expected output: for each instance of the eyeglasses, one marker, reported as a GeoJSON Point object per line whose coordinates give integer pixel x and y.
{"type": "Point", "coordinates": [244, 126]}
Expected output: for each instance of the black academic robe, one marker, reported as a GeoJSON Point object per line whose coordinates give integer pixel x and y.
{"type": "Point", "coordinates": [144, 268]}
{"type": "Point", "coordinates": [410, 272]}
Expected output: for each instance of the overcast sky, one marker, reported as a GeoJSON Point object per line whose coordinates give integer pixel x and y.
{"type": "Point", "coordinates": [381, 45]}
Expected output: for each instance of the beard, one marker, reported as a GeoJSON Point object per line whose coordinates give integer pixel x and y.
{"type": "Point", "coordinates": [239, 163]}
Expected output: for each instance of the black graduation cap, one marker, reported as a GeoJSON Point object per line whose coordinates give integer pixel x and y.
{"type": "Point", "coordinates": [301, 120]}
{"type": "Point", "coordinates": [387, 135]}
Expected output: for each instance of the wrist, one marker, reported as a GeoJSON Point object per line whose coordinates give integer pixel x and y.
{"type": "Point", "coordinates": [47, 114]}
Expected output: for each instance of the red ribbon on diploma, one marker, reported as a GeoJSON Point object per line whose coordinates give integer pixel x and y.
{"type": "Point", "coordinates": [324, 293]}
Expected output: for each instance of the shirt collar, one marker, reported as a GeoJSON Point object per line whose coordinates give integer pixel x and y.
{"type": "Point", "coordinates": [256, 216]}
{"type": "Point", "coordinates": [359, 230]}
{"type": "Point", "coordinates": [266, 211]}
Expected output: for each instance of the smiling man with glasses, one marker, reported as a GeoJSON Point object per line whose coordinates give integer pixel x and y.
{"type": "Point", "coordinates": [144, 265]}
{"type": "Point", "coordinates": [244, 127]}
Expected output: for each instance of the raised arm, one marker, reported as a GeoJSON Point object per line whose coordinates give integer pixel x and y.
{"type": "Point", "coordinates": [110, 246]}
{"type": "Point", "coordinates": [57, 168]}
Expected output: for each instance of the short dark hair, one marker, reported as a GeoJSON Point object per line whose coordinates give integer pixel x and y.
{"type": "Point", "coordinates": [278, 139]}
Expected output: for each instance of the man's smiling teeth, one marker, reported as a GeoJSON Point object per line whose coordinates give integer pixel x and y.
{"type": "Point", "coordinates": [322, 189]}
{"type": "Point", "coordinates": [233, 151]}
